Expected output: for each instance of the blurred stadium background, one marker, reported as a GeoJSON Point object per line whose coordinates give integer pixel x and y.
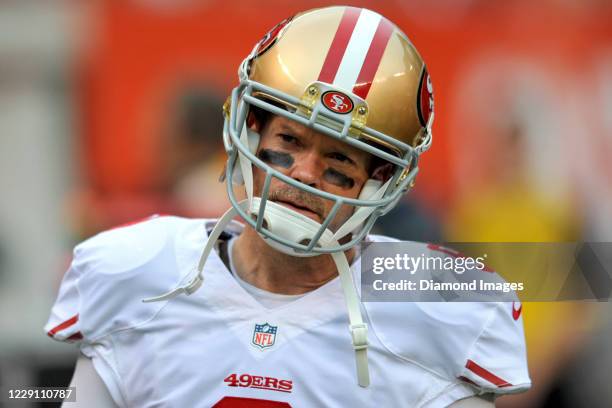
{"type": "Point", "coordinates": [111, 111]}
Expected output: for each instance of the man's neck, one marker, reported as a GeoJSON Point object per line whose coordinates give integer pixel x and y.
{"type": "Point", "coordinates": [266, 268]}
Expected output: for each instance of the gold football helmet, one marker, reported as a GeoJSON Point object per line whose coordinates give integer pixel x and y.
{"type": "Point", "coordinates": [348, 73]}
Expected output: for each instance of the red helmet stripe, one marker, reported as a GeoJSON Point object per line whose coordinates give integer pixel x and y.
{"type": "Point", "coordinates": [339, 44]}
{"type": "Point", "coordinates": [373, 58]}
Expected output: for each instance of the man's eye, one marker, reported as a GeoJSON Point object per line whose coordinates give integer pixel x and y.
{"type": "Point", "coordinates": [288, 138]}
{"type": "Point", "coordinates": [340, 157]}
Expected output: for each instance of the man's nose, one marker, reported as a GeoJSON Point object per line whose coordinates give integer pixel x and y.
{"type": "Point", "coordinates": [308, 169]}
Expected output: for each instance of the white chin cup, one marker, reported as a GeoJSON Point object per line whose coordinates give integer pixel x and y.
{"type": "Point", "coordinates": [290, 225]}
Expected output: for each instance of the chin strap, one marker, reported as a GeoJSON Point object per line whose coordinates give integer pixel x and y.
{"type": "Point", "coordinates": [251, 139]}
{"type": "Point", "coordinates": [195, 283]}
{"type": "Point", "coordinates": [357, 328]}
{"type": "Point", "coordinates": [360, 215]}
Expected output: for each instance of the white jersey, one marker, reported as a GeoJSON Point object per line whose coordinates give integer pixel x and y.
{"type": "Point", "coordinates": [219, 347]}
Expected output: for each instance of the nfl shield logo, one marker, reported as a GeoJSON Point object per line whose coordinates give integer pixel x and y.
{"type": "Point", "coordinates": [264, 335]}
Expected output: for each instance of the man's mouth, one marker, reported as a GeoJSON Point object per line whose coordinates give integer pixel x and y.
{"type": "Point", "coordinates": [300, 209]}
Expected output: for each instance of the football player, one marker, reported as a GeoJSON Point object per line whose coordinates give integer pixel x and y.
{"type": "Point", "coordinates": [324, 131]}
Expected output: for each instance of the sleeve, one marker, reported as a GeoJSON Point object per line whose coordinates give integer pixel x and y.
{"type": "Point", "coordinates": [102, 291]}
{"type": "Point", "coordinates": [110, 274]}
{"type": "Point", "coordinates": [497, 361]}
{"type": "Point", "coordinates": [63, 323]}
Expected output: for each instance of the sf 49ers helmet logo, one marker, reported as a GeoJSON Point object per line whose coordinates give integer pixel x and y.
{"type": "Point", "coordinates": [337, 102]}
{"type": "Point", "coordinates": [271, 36]}
{"type": "Point", "coordinates": [425, 100]}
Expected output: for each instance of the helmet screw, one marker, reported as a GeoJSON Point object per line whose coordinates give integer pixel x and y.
{"type": "Point", "coordinates": [312, 90]}
{"type": "Point", "coordinates": [362, 110]}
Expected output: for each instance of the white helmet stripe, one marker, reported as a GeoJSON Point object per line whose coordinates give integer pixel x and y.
{"type": "Point", "coordinates": [357, 49]}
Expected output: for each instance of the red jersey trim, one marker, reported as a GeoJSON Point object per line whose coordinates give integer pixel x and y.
{"type": "Point", "coordinates": [486, 374]}
{"type": "Point", "coordinates": [64, 325]}
{"type": "Point", "coordinates": [75, 337]}
{"type": "Point", "coordinates": [241, 402]}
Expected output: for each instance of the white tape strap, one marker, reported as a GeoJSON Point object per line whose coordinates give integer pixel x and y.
{"type": "Point", "coordinates": [195, 283]}
{"type": "Point", "coordinates": [357, 328]}
{"type": "Point", "coordinates": [361, 213]}
{"type": "Point", "coordinates": [245, 165]}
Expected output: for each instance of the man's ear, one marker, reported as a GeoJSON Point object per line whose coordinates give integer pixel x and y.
{"type": "Point", "coordinates": [382, 172]}
{"type": "Point", "coordinates": [253, 122]}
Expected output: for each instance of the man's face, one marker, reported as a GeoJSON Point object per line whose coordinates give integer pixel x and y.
{"type": "Point", "coordinates": [314, 159]}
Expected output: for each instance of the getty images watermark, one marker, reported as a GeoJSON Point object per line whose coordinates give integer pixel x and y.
{"type": "Point", "coordinates": [408, 271]}
{"type": "Point", "coordinates": [438, 261]}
